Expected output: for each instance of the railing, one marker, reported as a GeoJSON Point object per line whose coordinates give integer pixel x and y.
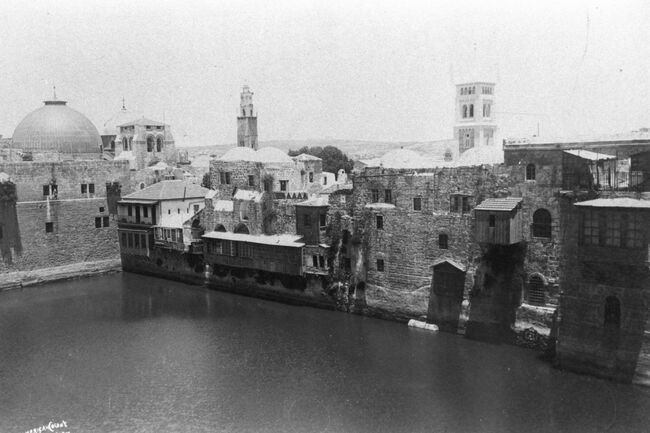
{"type": "Point", "coordinates": [621, 181]}
{"type": "Point", "coordinates": [171, 245]}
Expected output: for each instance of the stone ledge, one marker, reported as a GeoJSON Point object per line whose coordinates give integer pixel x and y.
{"type": "Point", "coordinates": [17, 280]}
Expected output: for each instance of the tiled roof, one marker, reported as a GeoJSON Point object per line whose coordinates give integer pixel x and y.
{"type": "Point", "coordinates": [169, 190]}
{"type": "Point", "coordinates": [620, 202]}
{"type": "Point", "coordinates": [499, 204]}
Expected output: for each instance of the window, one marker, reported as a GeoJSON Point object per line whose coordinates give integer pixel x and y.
{"type": "Point", "coordinates": [283, 185]}
{"type": "Point", "coordinates": [50, 190]}
{"type": "Point", "coordinates": [542, 223]}
{"type": "Point", "coordinates": [375, 195]}
{"type": "Point", "coordinates": [145, 211]}
{"type": "Point", "coordinates": [225, 177]}
{"type": "Point", "coordinates": [49, 227]}
{"type": "Point", "coordinates": [465, 138]}
{"type": "Point", "coordinates": [314, 261]}
{"type": "Point", "coordinates": [244, 249]}
{"type": "Point", "coordinates": [323, 220]}
{"type": "Point", "coordinates": [486, 110]}
{"type": "Point", "coordinates": [150, 144]}
{"type": "Point", "coordinates": [633, 230]}
{"type": "Point", "coordinates": [124, 240]}
{"type": "Point", "coordinates": [251, 180]}
{"type": "Point", "coordinates": [471, 110]}
{"type": "Point", "coordinates": [464, 111]}
{"type": "Point", "coordinates": [417, 203]}
{"type": "Point", "coordinates": [306, 220]}
{"type": "Point", "coordinates": [388, 196]}
{"type": "Point", "coordinates": [196, 208]}
{"type": "Point", "coordinates": [130, 239]}
{"type": "Point", "coordinates": [311, 176]}
{"type": "Point", "coordinates": [459, 203]}
{"type": "Point", "coordinates": [324, 180]}
{"type": "Point", "coordinates": [443, 241]}
{"type": "Point", "coordinates": [101, 209]}
{"type": "Point", "coordinates": [612, 312]}
{"type": "Point", "coordinates": [136, 240]}
{"type": "Point", "coordinates": [98, 222]}
{"type": "Point", "coordinates": [91, 188]}
{"type": "Point", "coordinates": [321, 261]}
{"type": "Point", "coordinates": [159, 144]}
{"type": "Point", "coordinates": [130, 210]}
{"type": "Point", "coordinates": [84, 188]}
{"type": "Point", "coordinates": [613, 230]}
{"type": "Point", "coordinates": [380, 265]}
{"type": "Point", "coordinates": [105, 221]}
{"type": "Point", "coordinates": [590, 231]}
{"type": "Point", "coordinates": [379, 222]}
{"type": "Point", "coordinates": [492, 221]}
{"type": "Point", "coordinates": [530, 172]}
{"type": "Point", "coordinates": [535, 294]}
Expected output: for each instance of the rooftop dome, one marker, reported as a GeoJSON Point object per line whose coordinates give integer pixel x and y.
{"type": "Point", "coordinates": [481, 155]}
{"type": "Point", "coordinates": [239, 154]}
{"type": "Point", "coordinates": [57, 128]}
{"type": "Point", "coordinates": [403, 158]}
{"type": "Point", "coordinates": [273, 155]}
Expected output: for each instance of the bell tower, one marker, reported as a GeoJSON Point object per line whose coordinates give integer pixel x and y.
{"type": "Point", "coordinates": [247, 121]}
{"type": "Point", "coordinates": [475, 122]}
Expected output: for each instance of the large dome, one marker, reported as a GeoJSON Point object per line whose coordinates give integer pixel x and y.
{"type": "Point", "coordinates": [56, 128]}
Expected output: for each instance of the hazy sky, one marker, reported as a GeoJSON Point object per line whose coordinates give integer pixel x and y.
{"type": "Point", "coordinates": [352, 70]}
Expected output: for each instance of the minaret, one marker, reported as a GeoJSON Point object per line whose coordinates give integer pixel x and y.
{"type": "Point", "coordinates": [475, 121]}
{"type": "Point", "coordinates": [247, 121]}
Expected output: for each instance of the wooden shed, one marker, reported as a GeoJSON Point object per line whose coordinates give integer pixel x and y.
{"type": "Point", "coordinates": [498, 221]}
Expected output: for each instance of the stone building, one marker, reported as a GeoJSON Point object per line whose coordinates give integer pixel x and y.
{"type": "Point", "coordinates": [59, 202]}
{"type": "Point", "coordinates": [247, 121]}
{"type": "Point", "coordinates": [475, 115]}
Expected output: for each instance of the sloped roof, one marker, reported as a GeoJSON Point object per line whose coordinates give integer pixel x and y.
{"type": "Point", "coordinates": [620, 202]}
{"type": "Point", "coordinates": [306, 157]}
{"type": "Point", "coordinates": [169, 190]}
{"type": "Point", "coordinates": [452, 262]}
{"type": "Point", "coordinates": [499, 204]}
{"type": "Point", "coordinates": [143, 121]}
{"type": "Point", "coordinates": [586, 154]}
{"type": "Point", "coordinates": [284, 240]}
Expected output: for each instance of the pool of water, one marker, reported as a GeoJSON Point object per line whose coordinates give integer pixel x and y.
{"type": "Point", "coordinates": [129, 353]}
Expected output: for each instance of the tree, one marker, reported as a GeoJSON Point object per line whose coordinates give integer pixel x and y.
{"type": "Point", "coordinates": [333, 158]}
{"type": "Point", "coordinates": [205, 183]}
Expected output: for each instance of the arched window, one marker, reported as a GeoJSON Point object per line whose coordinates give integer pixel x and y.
{"type": "Point", "coordinates": [612, 312]}
{"type": "Point", "coordinates": [443, 241]}
{"type": "Point", "coordinates": [125, 143]}
{"type": "Point", "coordinates": [542, 223]}
{"type": "Point", "coordinates": [150, 144]}
{"type": "Point", "coordinates": [242, 229]}
{"type": "Point", "coordinates": [464, 111]}
{"type": "Point", "coordinates": [219, 228]}
{"type": "Point", "coordinates": [141, 185]}
{"type": "Point", "coordinates": [530, 172]}
{"type": "Point", "coordinates": [535, 295]}
{"type": "Point", "coordinates": [130, 143]}
{"type": "Point", "coordinates": [471, 110]}
{"type": "Point", "coordinates": [159, 144]}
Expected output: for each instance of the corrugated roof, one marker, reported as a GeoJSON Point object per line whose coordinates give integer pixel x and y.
{"type": "Point", "coordinates": [586, 154]}
{"type": "Point", "coordinates": [279, 240]}
{"type": "Point", "coordinates": [499, 204]}
{"type": "Point", "coordinates": [169, 190]}
{"type": "Point", "coordinates": [620, 202]}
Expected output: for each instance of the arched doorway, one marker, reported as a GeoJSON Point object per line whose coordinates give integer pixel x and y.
{"type": "Point", "coordinates": [220, 228]}
{"type": "Point", "coordinates": [242, 229]}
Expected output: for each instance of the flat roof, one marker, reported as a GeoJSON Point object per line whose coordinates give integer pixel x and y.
{"type": "Point", "coordinates": [620, 202]}
{"type": "Point", "coordinates": [277, 240]}
{"type": "Point", "coordinates": [587, 154]}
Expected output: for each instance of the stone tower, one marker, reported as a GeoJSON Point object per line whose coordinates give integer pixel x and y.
{"type": "Point", "coordinates": [247, 121]}
{"type": "Point", "coordinates": [475, 122]}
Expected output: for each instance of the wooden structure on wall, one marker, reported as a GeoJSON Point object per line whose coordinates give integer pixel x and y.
{"type": "Point", "coordinates": [498, 221]}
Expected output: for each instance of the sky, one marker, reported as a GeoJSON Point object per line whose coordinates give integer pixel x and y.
{"type": "Point", "coordinates": [354, 70]}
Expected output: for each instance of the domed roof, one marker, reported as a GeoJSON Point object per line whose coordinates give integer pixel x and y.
{"type": "Point", "coordinates": [273, 155]}
{"type": "Point", "coordinates": [111, 126]}
{"type": "Point", "coordinates": [239, 154]}
{"type": "Point", "coordinates": [403, 158]}
{"type": "Point", "coordinates": [57, 128]}
{"type": "Point", "coordinates": [481, 155]}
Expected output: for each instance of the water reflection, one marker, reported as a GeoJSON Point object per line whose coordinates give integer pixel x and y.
{"type": "Point", "coordinates": [136, 354]}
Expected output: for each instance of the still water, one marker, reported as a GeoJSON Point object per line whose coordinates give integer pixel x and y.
{"type": "Point", "coordinates": [128, 353]}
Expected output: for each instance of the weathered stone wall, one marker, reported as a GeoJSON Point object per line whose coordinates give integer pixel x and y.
{"type": "Point", "coordinates": [74, 237]}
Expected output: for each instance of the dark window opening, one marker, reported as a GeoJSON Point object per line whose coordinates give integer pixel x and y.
{"type": "Point", "coordinates": [91, 188]}
{"type": "Point", "coordinates": [388, 196]}
{"type": "Point", "coordinates": [145, 211]}
{"type": "Point", "coordinates": [536, 291]}
{"type": "Point", "coordinates": [84, 188]}
{"type": "Point", "coordinates": [443, 241]}
{"type": "Point", "coordinates": [159, 144]}
{"type": "Point", "coordinates": [542, 223]}
{"type": "Point", "coordinates": [471, 110]}
{"type": "Point", "coordinates": [612, 312]}
{"type": "Point", "coordinates": [98, 222]}
{"type": "Point", "coordinates": [380, 265]}
{"type": "Point", "coordinates": [105, 221]}
{"type": "Point", "coordinates": [314, 261]}
{"type": "Point", "coordinates": [375, 195]}
{"type": "Point", "coordinates": [321, 261]}
{"type": "Point", "coordinates": [283, 185]}
{"type": "Point", "coordinates": [49, 227]}
{"type": "Point", "coordinates": [130, 210]}
{"type": "Point", "coordinates": [379, 222]}
{"type": "Point", "coordinates": [530, 172]}
{"type": "Point", "coordinates": [323, 220]}
{"type": "Point", "coordinates": [311, 176]}
{"type": "Point", "coordinates": [150, 144]}
{"type": "Point", "coordinates": [101, 209]}
{"type": "Point", "coordinates": [251, 180]}
{"type": "Point", "coordinates": [417, 203]}
{"type": "Point", "coordinates": [459, 203]}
